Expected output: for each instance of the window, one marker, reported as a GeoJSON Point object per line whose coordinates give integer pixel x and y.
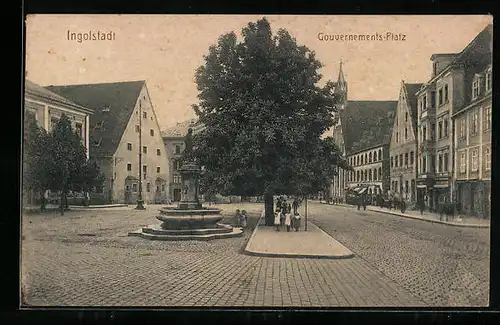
{"type": "Point", "coordinates": [129, 146]}
{"type": "Point", "coordinates": [412, 157]}
{"type": "Point", "coordinates": [366, 175]}
{"type": "Point", "coordinates": [380, 154]}
{"type": "Point", "coordinates": [440, 163]}
{"type": "Point", "coordinates": [440, 96]}
{"type": "Point", "coordinates": [152, 132]}
{"type": "Point", "coordinates": [177, 149]}
{"type": "Point", "coordinates": [53, 122]}
{"type": "Point", "coordinates": [79, 129]}
{"type": "Point", "coordinates": [406, 187]}
{"type": "Point", "coordinates": [446, 127]}
{"type": "Point", "coordinates": [397, 137]}
{"type": "Point", "coordinates": [362, 159]}
{"type": "Point", "coordinates": [445, 163]}
{"type": "Point", "coordinates": [375, 174]}
{"type": "Point", "coordinates": [380, 173]}
{"type": "Point", "coordinates": [433, 99]}
{"type": "Point", "coordinates": [366, 158]}
{"type": "Point", "coordinates": [488, 80]}
{"type": "Point", "coordinates": [433, 131]}
{"type": "Point", "coordinates": [475, 88]}
{"type": "Point", "coordinates": [375, 156]}
{"type": "Point", "coordinates": [462, 125]}
{"type": "Point", "coordinates": [134, 187]}
{"type": "Point", "coordinates": [475, 161]}
{"type": "Point", "coordinates": [401, 160]}
{"type": "Point", "coordinates": [424, 133]}
{"type": "Point", "coordinates": [163, 187]}
{"type": "Point", "coordinates": [148, 187]}
{"type": "Point", "coordinates": [445, 93]}
{"type": "Point", "coordinates": [433, 163]}
{"type": "Point", "coordinates": [127, 188]}
{"type": "Point", "coordinates": [440, 130]}
{"type": "Point", "coordinates": [406, 117]}
{"type": "Point", "coordinates": [158, 152]}
{"type": "Point", "coordinates": [424, 164]}
{"type": "Point", "coordinates": [144, 169]}
{"type": "Point", "coordinates": [129, 167]}
{"type": "Point", "coordinates": [357, 176]}
{"type": "Point", "coordinates": [487, 118]}
{"type": "Point", "coordinates": [406, 133]}
{"type": "Point", "coordinates": [145, 114]}
{"type": "Point", "coordinates": [370, 157]}
{"type": "Point", "coordinates": [137, 128]}
{"type": "Point", "coordinates": [157, 187]}
{"type": "Point", "coordinates": [392, 162]}
{"type": "Point", "coordinates": [158, 169]}
{"type": "Point", "coordinates": [406, 159]}
{"type": "Point", "coordinates": [434, 68]}
{"type": "Point", "coordinates": [144, 149]}
{"type": "Point", "coordinates": [463, 162]}
{"type": "Point", "coordinates": [487, 158]}
{"type": "Point", "coordinates": [473, 124]}
{"type": "Point", "coordinates": [370, 175]}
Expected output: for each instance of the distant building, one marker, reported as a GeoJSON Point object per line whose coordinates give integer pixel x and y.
{"type": "Point", "coordinates": [457, 88]}
{"type": "Point", "coordinates": [173, 140]}
{"type": "Point", "coordinates": [46, 108]}
{"type": "Point", "coordinates": [363, 133]}
{"type": "Point", "coordinates": [403, 147]}
{"type": "Point", "coordinates": [122, 110]}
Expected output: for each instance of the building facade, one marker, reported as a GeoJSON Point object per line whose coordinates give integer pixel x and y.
{"type": "Point", "coordinates": [363, 133]}
{"type": "Point", "coordinates": [403, 146]}
{"type": "Point", "coordinates": [445, 93]}
{"type": "Point", "coordinates": [472, 138]}
{"type": "Point", "coordinates": [124, 117]}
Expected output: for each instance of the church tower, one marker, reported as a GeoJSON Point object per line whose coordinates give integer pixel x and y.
{"type": "Point", "coordinates": [341, 88]}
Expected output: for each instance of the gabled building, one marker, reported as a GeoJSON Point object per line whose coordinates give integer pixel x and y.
{"type": "Point", "coordinates": [123, 112]}
{"type": "Point", "coordinates": [471, 120]}
{"type": "Point", "coordinates": [363, 132]}
{"type": "Point", "coordinates": [173, 140]}
{"type": "Point", "coordinates": [446, 93]}
{"type": "Point", "coordinates": [403, 146]}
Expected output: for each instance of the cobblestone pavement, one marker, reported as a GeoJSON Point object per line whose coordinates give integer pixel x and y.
{"type": "Point", "coordinates": [443, 265]}
{"type": "Point", "coordinates": [85, 258]}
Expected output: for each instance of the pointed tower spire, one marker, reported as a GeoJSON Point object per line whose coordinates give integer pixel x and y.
{"type": "Point", "coordinates": [341, 88]}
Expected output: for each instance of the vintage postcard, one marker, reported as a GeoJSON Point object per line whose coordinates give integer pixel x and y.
{"type": "Point", "coordinates": [257, 160]}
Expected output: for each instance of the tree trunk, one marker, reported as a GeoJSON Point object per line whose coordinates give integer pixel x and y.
{"type": "Point", "coordinates": [269, 208]}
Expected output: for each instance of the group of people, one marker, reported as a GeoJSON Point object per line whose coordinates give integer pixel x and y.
{"type": "Point", "coordinates": [287, 215]}
{"type": "Point", "coordinates": [241, 218]}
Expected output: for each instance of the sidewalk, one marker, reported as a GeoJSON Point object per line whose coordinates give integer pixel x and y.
{"type": "Point", "coordinates": [313, 243]}
{"type": "Point", "coordinates": [462, 221]}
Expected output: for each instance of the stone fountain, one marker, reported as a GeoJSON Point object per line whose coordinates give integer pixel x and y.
{"type": "Point", "coordinates": [189, 220]}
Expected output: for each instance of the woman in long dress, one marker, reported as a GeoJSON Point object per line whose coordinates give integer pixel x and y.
{"type": "Point", "coordinates": [288, 221]}
{"type": "Point", "coordinates": [277, 221]}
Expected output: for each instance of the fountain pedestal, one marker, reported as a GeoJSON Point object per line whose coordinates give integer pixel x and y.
{"type": "Point", "coordinates": [189, 220]}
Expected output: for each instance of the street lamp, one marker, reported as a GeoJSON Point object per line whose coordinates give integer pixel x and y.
{"type": "Point", "coordinates": [140, 201]}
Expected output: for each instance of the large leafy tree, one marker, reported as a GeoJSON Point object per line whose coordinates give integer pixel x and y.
{"type": "Point", "coordinates": [36, 159]}
{"type": "Point", "coordinates": [264, 117]}
{"type": "Point", "coordinates": [70, 169]}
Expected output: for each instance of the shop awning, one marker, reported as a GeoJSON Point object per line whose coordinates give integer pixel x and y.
{"type": "Point", "coordinates": [362, 190]}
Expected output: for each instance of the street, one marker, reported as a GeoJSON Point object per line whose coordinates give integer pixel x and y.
{"type": "Point", "coordinates": [85, 258]}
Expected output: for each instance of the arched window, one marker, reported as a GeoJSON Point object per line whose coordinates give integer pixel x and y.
{"type": "Point", "coordinates": [366, 158]}
{"type": "Point", "coordinates": [366, 174]}
{"type": "Point", "coordinates": [370, 175]}
{"type": "Point", "coordinates": [362, 159]}
{"type": "Point", "coordinates": [357, 176]}
{"type": "Point", "coordinates": [380, 154]}
{"type": "Point", "coordinates": [375, 174]}
{"type": "Point", "coordinates": [374, 156]}
{"type": "Point", "coordinates": [370, 157]}
{"type": "Point", "coordinates": [380, 173]}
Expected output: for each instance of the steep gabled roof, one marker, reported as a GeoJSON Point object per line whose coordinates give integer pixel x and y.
{"type": "Point", "coordinates": [366, 124]}
{"type": "Point", "coordinates": [113, 104]}
{"type": "Point", "coordinates": [411, 96]}
{"type": "Point", "coordinates": [35, 90]}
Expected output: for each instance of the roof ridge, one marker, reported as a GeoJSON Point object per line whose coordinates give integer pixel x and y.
{"type": "Point", "coordinates": [98, 83]}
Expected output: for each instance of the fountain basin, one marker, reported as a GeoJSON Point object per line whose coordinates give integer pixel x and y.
{"type": "Point", "coordinates": [181, 219]}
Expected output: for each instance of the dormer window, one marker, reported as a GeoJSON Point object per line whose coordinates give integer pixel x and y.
{"type": "Point", "coordinates": [476, 89]}
{"type": "Point", "coordinates": [488, 79]}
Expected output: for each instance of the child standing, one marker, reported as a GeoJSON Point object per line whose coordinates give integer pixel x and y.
{"type": "Point", "coordinates": [277, 220]}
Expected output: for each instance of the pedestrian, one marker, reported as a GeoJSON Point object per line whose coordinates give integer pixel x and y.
{"type": "Point", "coordinates": [288, 220]}
{"type": "Point", "coordinates": [363, 199]}
{"type": "Point", "coordinates": [296, 221]}
{"type": "Point", "coordinates": [421, 204]}
{"type": "Point", "coordinates": [283, 215]}
{"type": "Point", "coordinates": [277, 220]}
{"type": "Point", "coordinates": [237, 217]}
{"type": "Point", "coordinates": [243, 219]}
{"type": "Point", "coordinates": [295, 205]}
{"type": "Point", "coordinates": [358, 201]}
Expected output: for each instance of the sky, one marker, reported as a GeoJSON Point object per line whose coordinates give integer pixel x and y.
{"type": "Point", "coordinates": [166, 50]}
